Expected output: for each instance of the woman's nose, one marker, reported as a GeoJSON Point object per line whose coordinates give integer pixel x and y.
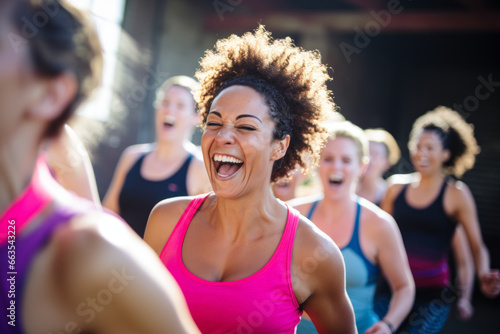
{"type": "Point", "coordinates": [225, 135]}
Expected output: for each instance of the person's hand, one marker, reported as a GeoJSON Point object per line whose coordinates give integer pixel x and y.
{"type": "Point", "coordinates": [490, 283]}
{"type": "Point", "coordinates": [465, 309]}
{"type": "Point", "coordinates": [379, 328]}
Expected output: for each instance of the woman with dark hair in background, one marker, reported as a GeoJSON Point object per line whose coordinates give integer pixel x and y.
{"type": "Point", "coordinates": [246, 261]}
{"type": "Point", "coordinates": [367, 236]}
{"type": "Point", "coordinates": [170, 167]}
{"type": "Point", "coordinates": [66, 266]}
{"type": "Point", "coordinates": [428, 206]}
{"type": "Point", "coordinates": [385, 153]}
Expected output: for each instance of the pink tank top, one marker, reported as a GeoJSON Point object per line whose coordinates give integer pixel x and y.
{"type": "Point", "coordinates": [263, 302]}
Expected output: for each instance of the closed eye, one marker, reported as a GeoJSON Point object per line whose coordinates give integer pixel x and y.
{"type": "Point", "coordinates": [247, 128]}
{"type": "Point", "coordinates": [213, 124]}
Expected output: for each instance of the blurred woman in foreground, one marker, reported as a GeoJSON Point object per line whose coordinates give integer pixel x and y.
{"type": "Point", "coordinates": [66, 266]}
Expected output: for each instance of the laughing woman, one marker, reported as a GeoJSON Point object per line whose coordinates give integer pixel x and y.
{"type": "Point", "coordinates": [245, 261]}
{"type": "Point", "coordinates": [369, 238]}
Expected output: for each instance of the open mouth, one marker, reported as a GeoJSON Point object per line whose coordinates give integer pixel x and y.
{"type": "Point", "coordinates": [226, 166]}
{"type": "Point", "coordinates": [169, 122]}
{"type": "Point", "coordinates": [423, 163]}
{"type": "Point", "coordinates": [335, 180]}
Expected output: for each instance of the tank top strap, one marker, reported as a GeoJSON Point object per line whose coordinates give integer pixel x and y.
{"type": "Point", "coordinates": [401, 197]}
{"type": "Point", "coordinates": [181, 174]}
{"type": "Point", "coordinates": [439, 199]}
{"type": "Point", "coordinates": [141, 159]}
{"type": "Point", "coordinates": [177, 237]}
{"type": "Point", "coordinates": [188, 161]}
{"type": "Point", "coordinates": [33, 200]}
{"type": "Point", "coordinates": [311, 210]}
{"type": "Point", "coordinates": [191, 209]}
{"type": "Point", "coordinates": [288, 238]}
{"type": "Point", "coordinates": [291, 226]}
{"type": "Point", "coordinates": [136, 167]}
{"type": "Point", "coordinates": [355, 246]}
{"type": "Point", "coordinates": [354, 242]}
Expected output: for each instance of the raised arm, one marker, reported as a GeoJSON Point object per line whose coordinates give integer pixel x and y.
{"type": "Point", "coordinates": [466, 214]}
{"type": "Point", "coordinates": [111, 263]}
{"type": "Point", "coordinates": [319, 282]}
{"type": "Point", "coordinates": [465, 273]}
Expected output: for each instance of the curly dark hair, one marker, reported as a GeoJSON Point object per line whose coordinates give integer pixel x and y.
{"type": "Point", "coordinates": [291, 80]}
{"type": "Point", "coordinates": [66, 42]}
{"type": "Point", "coordinates": [456, 135]}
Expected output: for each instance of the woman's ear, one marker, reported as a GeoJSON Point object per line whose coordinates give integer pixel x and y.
{"type": "Point", "coordinates": [280, 148]}
{"type": "Point", "coordinates": [364, 165]}
{"type": "Point", "coordinates": [51, 96]}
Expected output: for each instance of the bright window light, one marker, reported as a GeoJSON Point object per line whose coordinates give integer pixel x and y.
{"type": "Point", "coordinates": [107, 16]}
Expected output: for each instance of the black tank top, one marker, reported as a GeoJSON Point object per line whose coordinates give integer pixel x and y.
{"type": "Point", "coordinates": [427, 235]}
{"type": "Point", "coordinates": [138, 195]}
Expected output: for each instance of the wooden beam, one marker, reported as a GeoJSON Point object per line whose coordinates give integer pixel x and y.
{"type": "Point", "coordinates": [345, 22]}
{"type": "Point", "coordinates": [475, 4]}
{"type": "Point", "coordinates": [368, 5]}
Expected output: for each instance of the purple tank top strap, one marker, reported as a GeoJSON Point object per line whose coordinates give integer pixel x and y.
{"type": "Point", "coordinates": [13, 277]}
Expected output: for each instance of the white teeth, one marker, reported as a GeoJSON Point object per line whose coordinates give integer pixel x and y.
{"type": "Point", "coordinates": [169, 119]}
{"type": "Point", "coordinates": [226, 158]}
{"type": "Point", "coordinates": [334, 178]}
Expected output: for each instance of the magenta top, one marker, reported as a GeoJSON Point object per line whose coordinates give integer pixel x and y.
{"type": "Point", "coordinates": [18, 247]}
{"type": "Point", "coordinates": [263, 302]}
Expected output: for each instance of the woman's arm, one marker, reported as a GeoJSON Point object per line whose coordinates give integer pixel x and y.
{"type": "Point", "coordinates": [318, 276]}
{"type": "Point", "coordinates": [466, 214]}
{"type": "Point", "coordinates": [127, 159]}
{"type": "Point", "coordinates": [465, 273]}
{"type": "Point", "coordinates": [108, 262]}
{"type": "Point", "coordinates": [393, 261]}
{"type": "Point", "coordinates": [70, 162]}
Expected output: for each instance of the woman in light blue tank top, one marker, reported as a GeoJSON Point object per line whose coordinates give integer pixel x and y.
{"type": "Point", "coordinates": [367, 236]}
